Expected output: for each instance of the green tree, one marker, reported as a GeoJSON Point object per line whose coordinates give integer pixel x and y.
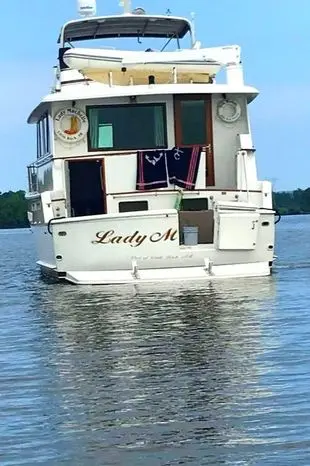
{"type": "Point", "coordinates": [292, 202]}
{"type": "Point", "coordinates": [13, 210]}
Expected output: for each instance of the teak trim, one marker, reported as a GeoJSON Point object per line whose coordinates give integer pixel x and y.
{"type": "Point", "coordinates": [103, 185]}
{"type": "Point", "coordinates": [209, 176]}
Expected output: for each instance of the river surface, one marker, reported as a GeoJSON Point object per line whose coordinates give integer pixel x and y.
{"type": "Point", "coordinates": [213, 374]}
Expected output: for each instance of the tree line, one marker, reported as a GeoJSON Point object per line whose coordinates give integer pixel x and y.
{"type": "Point", "coordinates": [13, 206]}
{"type": "Point", "coordinates": [292, 202]}
{"type": "Point", "coordinates": [13, 210]}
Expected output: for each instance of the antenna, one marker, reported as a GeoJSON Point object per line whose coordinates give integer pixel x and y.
{"type": "Point", "coordinates": [193, 17]}
{"type": "Point", "coordinates": [126, 4]}
{"type": "Point", "coordinates": [87, 8]}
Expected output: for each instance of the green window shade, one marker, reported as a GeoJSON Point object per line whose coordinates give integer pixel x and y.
{"type": "Point", "coordinates": [105, 135]}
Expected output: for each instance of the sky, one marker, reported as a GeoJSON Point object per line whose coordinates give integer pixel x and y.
{"type": "Point", "coordinates": [274, 36]}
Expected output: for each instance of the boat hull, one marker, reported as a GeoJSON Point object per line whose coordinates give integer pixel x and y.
{"type": "Point", "coordinates": [144, 248]}
{"type": "Point", "coordinates": [185, 274]}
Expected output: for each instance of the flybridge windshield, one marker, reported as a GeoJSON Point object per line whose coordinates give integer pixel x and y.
{"type": "Point", "coordinates": [140, 28]}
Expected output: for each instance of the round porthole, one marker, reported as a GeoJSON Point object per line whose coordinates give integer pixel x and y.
{"type": "Point", "coordinates": [228, 111]}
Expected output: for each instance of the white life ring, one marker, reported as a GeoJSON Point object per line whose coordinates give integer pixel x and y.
{"type": "Point", "coordinates": [228, 110]}
{"type": "Point", "coordinates": [71, 125]}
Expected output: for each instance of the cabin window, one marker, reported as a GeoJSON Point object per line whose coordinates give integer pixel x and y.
{"type": "Point", "coordinates": [195, 204]}
{"type": "Point", "coordinates": [126, 127]}
{"type": "Point", "coordinates": [43, 137]}
{"type": "Point", "coordinates": [33, 179]}
{"type": "Point", "coordinates": [191, 121]}
{"type": "Point", "coordinates": [132, 206]}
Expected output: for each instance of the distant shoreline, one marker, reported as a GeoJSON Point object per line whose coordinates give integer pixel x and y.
{"type": "Point", "coordinates": [290, 214]}
{"type": "Point", "coordinates": [15, 228]}
{"type": "Point", "coordinates": [14, 206]}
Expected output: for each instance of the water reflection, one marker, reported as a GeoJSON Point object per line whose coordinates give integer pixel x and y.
{"type": "Point", "coordinates": [147, 368]}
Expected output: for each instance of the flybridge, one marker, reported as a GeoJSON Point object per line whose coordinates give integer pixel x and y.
{"type": "Point", "coordinates": [134, 23]}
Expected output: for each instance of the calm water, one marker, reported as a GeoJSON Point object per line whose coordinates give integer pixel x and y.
{"type": "Point", "coordinates": [207, 375]}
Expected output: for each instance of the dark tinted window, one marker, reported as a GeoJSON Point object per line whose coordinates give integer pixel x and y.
{"type": "Point", "coordinates": [43, 137]}
{"type": "Point", "coordinates": [193, 122]}
{"type": "Point", "coordinates": [195, 204]}
{"type": "Point", "coordinates": [132, 206]}
{"type": "Point", "coordinates": [127, 127]}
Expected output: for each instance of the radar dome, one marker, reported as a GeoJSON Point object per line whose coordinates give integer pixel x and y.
{"type": "Point", "coordinates": [138, 11]}
{"type": "Point", "coordinates": [87, 7]}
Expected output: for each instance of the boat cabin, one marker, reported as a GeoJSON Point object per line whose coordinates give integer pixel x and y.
{"type": "Point", "coordinates": [138, 32]}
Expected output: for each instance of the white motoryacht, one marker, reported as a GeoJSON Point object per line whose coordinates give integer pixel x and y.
{"type": "Point", "coordinates": [146, 167]}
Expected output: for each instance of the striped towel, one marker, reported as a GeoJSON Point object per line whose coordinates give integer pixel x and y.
{"type": "Point", "coordinates": [183, 165]}
{"type": "Point", "coordinates": [151, 170]}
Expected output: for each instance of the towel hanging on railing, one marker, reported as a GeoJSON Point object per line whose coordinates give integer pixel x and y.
{"type": "Point", "coordinates": [179, 166]}
{"type": "Point", "coordinates": [151, 170]}
{"type": "Point", "coordinates": [183, 165]}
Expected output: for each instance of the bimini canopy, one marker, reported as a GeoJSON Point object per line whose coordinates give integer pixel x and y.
{"type": "Point", "coordinates": [105, 27]}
